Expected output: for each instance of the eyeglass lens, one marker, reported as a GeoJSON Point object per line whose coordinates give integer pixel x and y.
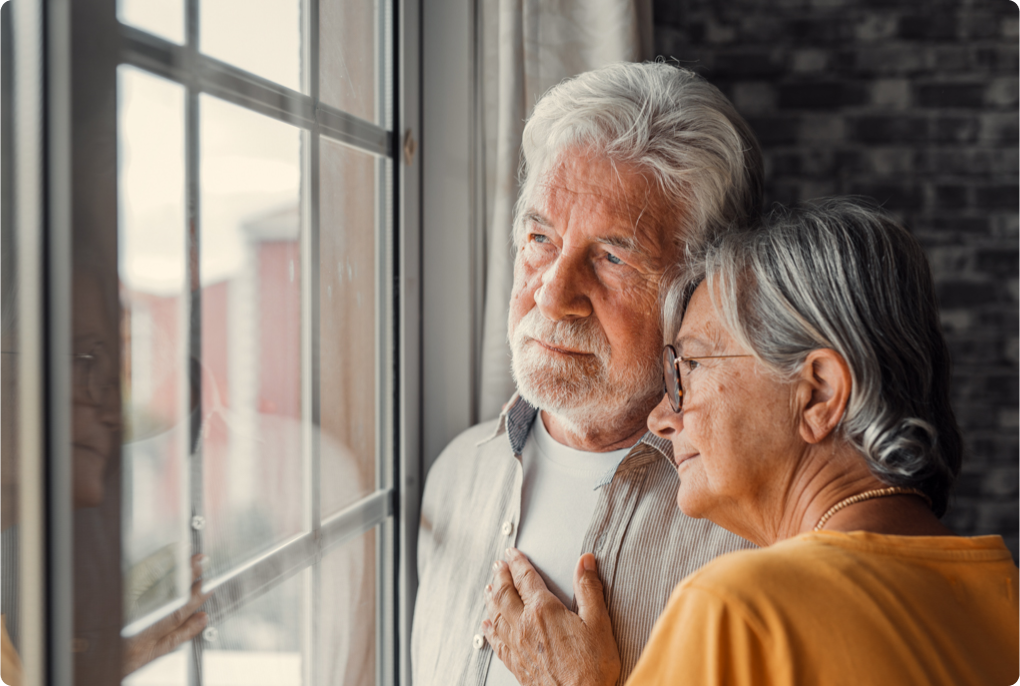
{"type": "Point", "coordinates": [671, 377]}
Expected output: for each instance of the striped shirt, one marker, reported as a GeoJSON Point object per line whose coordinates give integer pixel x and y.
{"type": "Point", "coordinates": [471, 507]}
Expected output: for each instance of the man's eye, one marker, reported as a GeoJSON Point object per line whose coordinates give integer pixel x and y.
{"type": "Point", "coordinates": [539, 238]}
{"type": "Point", "coordinates": [613, 259]}
{"type": "Point", "coordinates": [691, 365]}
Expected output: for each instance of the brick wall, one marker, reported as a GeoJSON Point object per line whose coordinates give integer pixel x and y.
{"type": "Point", "coordinates": [913, 103]}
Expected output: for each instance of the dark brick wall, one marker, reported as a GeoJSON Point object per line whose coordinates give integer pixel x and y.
{"type": "Point", "coordinates": [913, 103]}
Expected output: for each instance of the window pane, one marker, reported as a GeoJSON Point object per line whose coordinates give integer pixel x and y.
{"type": "Point", "coordinates": [154, 353]}
{"type": "Point", "coordinates": [252, 448]}
{"type": "Point", "coordinates": [349, 311]}
{"type": "Point", "coordinates": [349, 71]}
{"type": "Point", "coordinates": [260, 645]}
{"type": "Point", "coordinates": [260, 36]}
{"type": "Point", "coordinates": [347, 613]}
{"type": "Point", "coordinates": [169, 670]}
{"type": "Point", "coordinates": [164, 18]}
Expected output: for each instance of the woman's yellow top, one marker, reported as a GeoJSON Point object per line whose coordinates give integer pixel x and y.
{"type": "Point", "coordinates": [843, 608]}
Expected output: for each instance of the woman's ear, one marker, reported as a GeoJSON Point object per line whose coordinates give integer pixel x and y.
{"type": "Point", "coordinates": [825, 385]}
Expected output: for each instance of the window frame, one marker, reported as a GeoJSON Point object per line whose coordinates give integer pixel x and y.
{"type": "Point", "coordinates": [45, 55]}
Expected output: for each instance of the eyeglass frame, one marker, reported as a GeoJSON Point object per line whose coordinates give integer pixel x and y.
{"type": "Point", "coordinates": [92, 395]}
{"type": "Point", "coordinates": [677, 401]}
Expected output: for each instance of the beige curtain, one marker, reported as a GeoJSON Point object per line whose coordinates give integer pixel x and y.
{"type": "Point", "coordinates": [528, 46]}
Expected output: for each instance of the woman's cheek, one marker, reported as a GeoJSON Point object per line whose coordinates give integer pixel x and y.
{"type": "Point", "coordinates": [693, 496]}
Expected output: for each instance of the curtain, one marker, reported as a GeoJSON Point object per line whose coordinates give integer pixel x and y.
{"type": "Point", "coordinates": [526, 47]}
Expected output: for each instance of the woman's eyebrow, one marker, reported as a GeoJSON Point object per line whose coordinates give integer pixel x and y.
{"type": "Point", "coordinates": [688, 342]}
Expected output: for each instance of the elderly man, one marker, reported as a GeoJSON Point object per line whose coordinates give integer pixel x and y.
{"type": "Point", "coordinates": [625, 169]}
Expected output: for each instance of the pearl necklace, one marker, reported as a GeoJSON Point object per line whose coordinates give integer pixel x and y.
{"type": "Point", "coordinates": [868, 495]}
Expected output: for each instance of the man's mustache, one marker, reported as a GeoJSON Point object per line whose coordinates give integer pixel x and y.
{"type": "Point", "coordinates": [583, 335]}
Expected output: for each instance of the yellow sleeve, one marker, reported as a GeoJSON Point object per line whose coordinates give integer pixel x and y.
{"type": "Point", "coordinates": [701, 639]}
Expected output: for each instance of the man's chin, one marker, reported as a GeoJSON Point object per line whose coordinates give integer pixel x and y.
{"type": "Point", "coordinates": [556, 404]}
{"type": "Point", "coordinates": [578, 391]}
{"type": "Point", "coordinates": [546, 391]}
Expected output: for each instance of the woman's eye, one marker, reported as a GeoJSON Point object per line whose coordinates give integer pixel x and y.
{"type": "Point", "coordinates": [691, 365]}
{"type": "Point", "coordinates": [539, 238]}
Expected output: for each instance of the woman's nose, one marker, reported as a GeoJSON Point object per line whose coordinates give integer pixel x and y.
{"type": "Point", "coordinates": [664, 422]}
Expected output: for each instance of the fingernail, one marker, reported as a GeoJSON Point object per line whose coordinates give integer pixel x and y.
{"type": "Point", "coordinates": [488, 588]}
{"type": "Point", "coordinates": [496, 565]}
{"type": "Point", "coordinates": [589, 563]}
{"type": "Point", "coordinates": [510, 552]}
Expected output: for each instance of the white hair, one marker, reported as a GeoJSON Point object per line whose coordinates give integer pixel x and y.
{"type": "Point", "coordinates": [843, 275]}
{"type": "Point", "coordinates": [663, 119]}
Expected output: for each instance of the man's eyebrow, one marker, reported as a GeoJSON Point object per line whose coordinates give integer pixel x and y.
{"type": "Point", "coordinates": [617, 241]}
{"type": "Point", "coordinates": [624, 242]}
{"type": "Point", "coordinates": [536, 217]}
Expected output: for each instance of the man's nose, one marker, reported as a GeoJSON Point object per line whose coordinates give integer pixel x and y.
{"type": "Point", "coordinates": [563, 293]}
{"type": "Point", "coordinates": [664, 422]}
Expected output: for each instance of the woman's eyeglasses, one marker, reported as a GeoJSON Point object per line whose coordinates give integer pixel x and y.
{"type": "Point", "coordinates": [92, 375]}
{"type": "Point", "coordinates": [671, 374]}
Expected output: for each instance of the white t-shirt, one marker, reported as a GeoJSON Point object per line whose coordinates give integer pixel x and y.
{"type": "Point", "coordinates": [558, 498]}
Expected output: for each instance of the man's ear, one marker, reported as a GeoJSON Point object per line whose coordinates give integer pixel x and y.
{"type": "Point", "coordinates": [825, 385]}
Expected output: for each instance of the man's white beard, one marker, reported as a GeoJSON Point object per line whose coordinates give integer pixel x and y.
{"type": "Point", "coordinates": [583, 392]}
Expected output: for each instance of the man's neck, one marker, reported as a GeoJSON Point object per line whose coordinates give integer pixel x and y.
{"type": "Point", "coordinates": [613, 436]}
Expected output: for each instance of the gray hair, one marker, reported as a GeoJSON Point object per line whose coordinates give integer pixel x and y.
{"type": "Point", "coordinates": [664, 119]}
{"type": "Point", "coordinates": [843, 275]}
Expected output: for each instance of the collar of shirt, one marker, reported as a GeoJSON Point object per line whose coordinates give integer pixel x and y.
{"type": "Point", "coordinates": [518, 415]}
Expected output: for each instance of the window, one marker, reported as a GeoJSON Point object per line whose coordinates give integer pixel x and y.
{"type": "Point", "coordinates": [215, 281]}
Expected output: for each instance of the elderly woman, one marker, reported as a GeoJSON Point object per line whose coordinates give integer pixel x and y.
{"type": "Point", "coordinates": [807, 400]}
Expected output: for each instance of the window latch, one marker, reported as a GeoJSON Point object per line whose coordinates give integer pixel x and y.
{"type": "Point", "coordinates": [410, 147]}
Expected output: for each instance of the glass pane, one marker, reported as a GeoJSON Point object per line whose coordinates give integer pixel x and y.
{"type": "Point", "coordinates": [169, 670]}
{"type": "Point", "coordinates": [154, 353]}
{"type": "Point", "coordinates": [252, 447]}
{"type": "Point", "coordinates": [9, 616]}
{"type": "Point", "coordinates": [348, 317]}
{"type": "Point", "coordinates": [260, 36]}
{"type": "Point", "coordinates": [347, 613]}
{"type": "Point", "coordinates": [164, 18]}
{"type": "Point", "coordinates": [259, 645]}
{"type": "Point", "coordinates": [349, 71]}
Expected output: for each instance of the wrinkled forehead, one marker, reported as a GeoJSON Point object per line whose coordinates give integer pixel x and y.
{"type": "Point", "coordinates": [622, 192]}
{"type": "Point", "coordinates": [702, 330]}
{"type": "Point", "coordinates": [620, 187]}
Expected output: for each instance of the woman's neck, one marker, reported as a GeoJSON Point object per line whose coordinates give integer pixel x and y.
{"type": "Point", "coordinates": [835, 473]}
{"type": "Point", "coordinates": [895, 515]}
